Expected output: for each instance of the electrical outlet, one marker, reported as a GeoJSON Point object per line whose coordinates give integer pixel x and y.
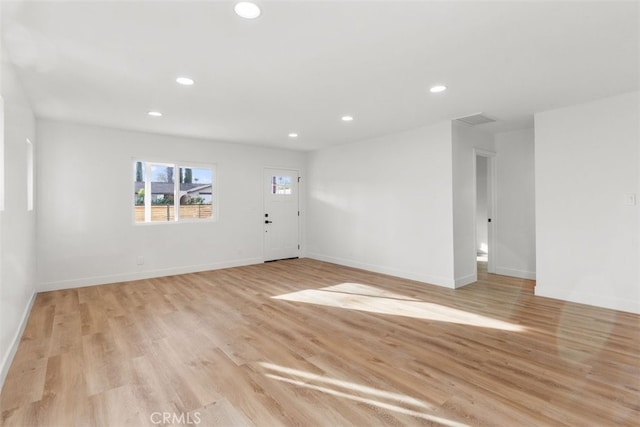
{"type": "Point", "coordinates": [630, 199]}
{"type": "Point", "coordinates": [140, 260]}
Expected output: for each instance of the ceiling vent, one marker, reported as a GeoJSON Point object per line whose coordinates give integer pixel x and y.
{"type": "Point", "coordinates": [476, 119]}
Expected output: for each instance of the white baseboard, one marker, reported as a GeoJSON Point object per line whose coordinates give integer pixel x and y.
{"type": "Point", "coordinates": [466, 280]}
{"type": "Point", "coordinates": [13, 348]}
{"type": "Point", "coordinates": [516, 273]}
{"type": "Point", "coordinates": [432, 280]}
{"type": "Point", "coordinates": [126, 277]}
{"type": "Point", "coordinates": [631, 305]}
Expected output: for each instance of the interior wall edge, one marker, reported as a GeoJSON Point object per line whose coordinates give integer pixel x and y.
{"type": "Point", "coordinates": [15, 342]}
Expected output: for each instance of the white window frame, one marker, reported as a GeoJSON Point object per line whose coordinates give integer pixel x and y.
{"type": "Point", "coordinates": [176, 191]}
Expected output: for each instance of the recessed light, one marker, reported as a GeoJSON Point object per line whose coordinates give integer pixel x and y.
{"type": "Point", "coordinates": [247, 10]}
{"type": "Point", "coordinates": [155, 113]}
{"type": "Point", "coordinates": [293, 135]}
{"type": "Point", "coordinates": [347, 118]}
{"type": "Point", "coordinates": [186, 81]}
{"type": "Point", "coordinates": [438, 89]}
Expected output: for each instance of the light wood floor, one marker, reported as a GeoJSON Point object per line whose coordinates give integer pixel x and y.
{"type": "Point", "coordinates": [302, 342]}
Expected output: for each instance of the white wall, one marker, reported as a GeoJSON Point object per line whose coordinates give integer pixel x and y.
{"type": "Point", "coordinates": [586, 160]}
{"type": "Point", "coordinates": [385, 205]}
{"type": "Point", "coordinates": [465, 139]}
{"type": "Point", "coordinates": [17, 226]}
{"type": "Point", "coordinates": [85, 230]}
{"type": "Point", "coordinates": [515, 252]}
{"type": "Point", "coordinates": [482, 213]}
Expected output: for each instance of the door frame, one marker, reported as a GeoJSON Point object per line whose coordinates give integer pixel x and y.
{"type": "Point", "coordinates": [492, 211]}
{"type": "Point", "coordinates": [297, 174]}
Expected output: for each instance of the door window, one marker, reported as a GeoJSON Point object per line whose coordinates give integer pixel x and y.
{"type": "Point", "coordinates": [281, 185]}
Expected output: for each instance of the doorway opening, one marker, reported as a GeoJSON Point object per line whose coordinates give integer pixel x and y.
{"type": "Point", "coordinates": [485, 187]}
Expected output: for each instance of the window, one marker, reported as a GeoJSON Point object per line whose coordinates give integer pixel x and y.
{"type": "Point", "coordinates": [169, 192]}
{"type": "Point", "coordinates": [29, 175]}
{"type": "Point", "coordinates": [196, 192]}
{"type": "Point", "coordinates": [281, 185]}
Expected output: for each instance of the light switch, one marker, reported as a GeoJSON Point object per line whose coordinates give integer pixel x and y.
{"type": "Point", "coordinates": [630, 199]}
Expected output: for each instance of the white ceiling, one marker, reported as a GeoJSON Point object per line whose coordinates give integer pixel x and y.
{"type": "Point", "coordinates": [303, 64]}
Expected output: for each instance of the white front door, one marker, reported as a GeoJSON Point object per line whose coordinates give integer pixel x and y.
{"type": "Point", "coordinates": [281, 215]}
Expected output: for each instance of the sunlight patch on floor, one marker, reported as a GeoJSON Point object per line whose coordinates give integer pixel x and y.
{"type": "Point", "coordinates": [370, 299]}
{"type": "Point", "coordinates": [367, 290]}
{"type": "Point", "coordinates": [346, 384]}
{"type": "Point", "coordinates": [324, 385]}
